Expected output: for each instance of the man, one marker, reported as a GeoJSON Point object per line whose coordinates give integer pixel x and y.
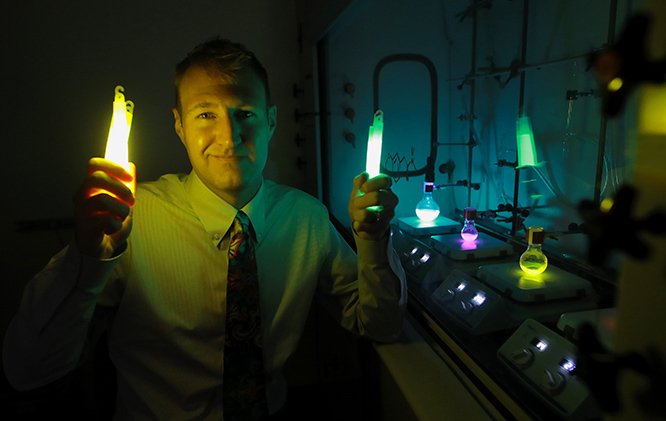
{"type": "Point", "coordinates": [156, 269]}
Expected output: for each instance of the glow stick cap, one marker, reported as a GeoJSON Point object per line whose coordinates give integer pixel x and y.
{"type": "Point", "coordinates": [535, 235]}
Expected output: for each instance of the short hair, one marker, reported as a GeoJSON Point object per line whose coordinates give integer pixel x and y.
{"type": "Point", "coordinates": [227, 57]}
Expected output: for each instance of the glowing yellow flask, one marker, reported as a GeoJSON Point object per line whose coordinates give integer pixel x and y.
{"type": "Point", "coordinates": [121, 122]}
{"type": "Point", "coordinates": [533, 261]}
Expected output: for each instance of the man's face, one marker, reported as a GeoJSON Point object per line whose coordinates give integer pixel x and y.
{"type": "Point", "coordinates": [225, 127]}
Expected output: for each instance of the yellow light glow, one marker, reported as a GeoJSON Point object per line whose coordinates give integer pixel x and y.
{"type": "Point", "coordinates": [527, 282]}
{"type": "Point", "coordinates": [615, 84]}
{"type": "Point", "coordinates": [606, 205]}
{"type": "Point", "coordinates": [533, 261]}
{"type": "Point", "coordinates": [121, 123]}
{"type": "Point", "coordinates": [117, 141]}
{"type": "Point", "coordinates": [535, 265]}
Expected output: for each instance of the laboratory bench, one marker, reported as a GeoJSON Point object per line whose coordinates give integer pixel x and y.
{"type": "Point", "coordinates": [510, 338]}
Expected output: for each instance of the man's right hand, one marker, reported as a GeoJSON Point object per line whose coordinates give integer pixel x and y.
{"type": "Point", "coordinates": [104, 222]}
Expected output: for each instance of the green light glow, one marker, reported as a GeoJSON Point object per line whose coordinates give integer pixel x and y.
{"type": "Point", "coordinates": [525, 143]}
{"type": "Point", "coordinates": [374, 153]}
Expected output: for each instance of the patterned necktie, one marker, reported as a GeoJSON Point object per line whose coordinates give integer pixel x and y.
{"type": "Point", "coordinates": [244, 387]}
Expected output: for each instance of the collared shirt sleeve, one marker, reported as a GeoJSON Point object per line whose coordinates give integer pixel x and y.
{"type": "Point", "coordinates": [45, 339]}
{"type": "Point", "coordinates": [374, 299]}
{"type": "Point", "coordinates": [381, 252]}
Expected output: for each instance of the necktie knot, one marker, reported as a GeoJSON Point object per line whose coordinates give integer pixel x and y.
{"type": "Point", "coordinates": [241, 237]}
{"type": "Point", "coordinates": [242, 222]}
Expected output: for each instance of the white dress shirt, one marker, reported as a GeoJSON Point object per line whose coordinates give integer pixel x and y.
{"type": "Point", "coordinates": [163, 298]}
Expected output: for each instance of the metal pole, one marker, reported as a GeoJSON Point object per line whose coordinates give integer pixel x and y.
{"type": "Point", "coordinates": [521, 111]}
{"type": "Point", "coordinates": [601, 150]}
{"type": "Point", "coordinates": [472, 93]}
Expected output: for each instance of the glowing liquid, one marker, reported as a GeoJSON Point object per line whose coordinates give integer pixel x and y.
{"type": "Point", "coordinates": [121, 123]}
{"type": "Point", "coordinates": [374, 151]}
{"type": "Point", "coordinates": [533, 261]}
{"type": "Point", "coordinates": [116, 143]}
{"type": "Point", "coordinates": [469, 232]}
{"type": "Point", "coordinates": [427, 209]}
{"type": "Point", "coordinates": [525, 143]}
{"type": "Point", "coordinates": [427, 214]}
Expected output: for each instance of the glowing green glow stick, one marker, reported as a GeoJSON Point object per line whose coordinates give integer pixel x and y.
{"type": "Point", "coordinates": [374, 154]}
{"type": "Point", "coordinates": [525, 141]}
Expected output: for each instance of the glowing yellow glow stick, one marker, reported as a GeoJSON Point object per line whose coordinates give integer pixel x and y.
{"type": "Point", "coordinates": [116, 143]}
{"type": "Point", "coordinates": [374, 153]}
{"type": "Point", "coordinates": [121, 122]}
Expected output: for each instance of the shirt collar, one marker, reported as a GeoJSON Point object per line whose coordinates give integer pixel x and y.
{"type": "Point", "coordinates": [216, 215]}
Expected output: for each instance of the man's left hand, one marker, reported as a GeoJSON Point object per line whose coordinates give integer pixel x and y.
{"type": "Point", "coordinates": [372, 205]}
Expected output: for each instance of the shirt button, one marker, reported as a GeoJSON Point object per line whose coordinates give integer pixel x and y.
{"type": "Point", "coordinates": [216, 237]}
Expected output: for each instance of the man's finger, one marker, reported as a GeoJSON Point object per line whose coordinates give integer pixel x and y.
{"type": "Point", "coordinates": [379, 182]}
{"type": "Point", "coordinates": [103, 204]}
{"type": "Point", "coordinates": [359, 180]}
{"type": "Point", "coordinates": [385, 198]}
{"type": "Point", "coordinates": [101, 182]}
{"type": "Point", "coordinates": [111, 168]}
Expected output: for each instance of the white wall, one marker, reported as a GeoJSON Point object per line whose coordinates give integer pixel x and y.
{"type": "Point", "coordinates": [560, 32]}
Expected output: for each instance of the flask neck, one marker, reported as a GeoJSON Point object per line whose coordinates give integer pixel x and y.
{"type": "Point", "coordinates": [534, 247]}
{"type": "Point", "coordinates": [428, 188]}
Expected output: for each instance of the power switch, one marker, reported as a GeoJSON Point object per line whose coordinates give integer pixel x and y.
{"type": "Point", "coordinates": [523, 358]}
{"type": "Point", "coordinates": [553, 382]}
